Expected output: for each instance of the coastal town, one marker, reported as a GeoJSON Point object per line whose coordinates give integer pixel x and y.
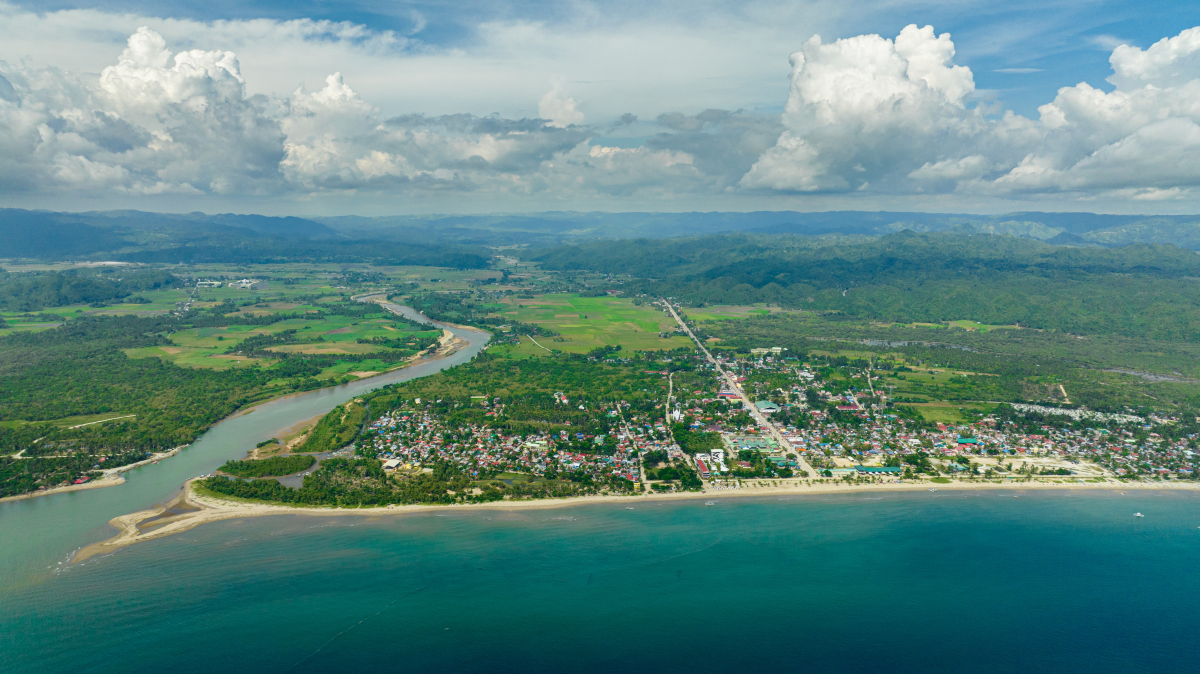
{"type": "Point", "coordinates": [818, 428]}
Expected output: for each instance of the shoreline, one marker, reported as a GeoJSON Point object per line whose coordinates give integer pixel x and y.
{"type": "Point", "coordinates": [193, 509]}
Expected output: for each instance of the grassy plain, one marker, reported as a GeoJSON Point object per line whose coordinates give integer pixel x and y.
{"type": "Point", "coordinates": [333, 335]}
{"type": "Point", "coordinates": [724, 312]}
{"type": "Point", "coordinates": [585, 323]}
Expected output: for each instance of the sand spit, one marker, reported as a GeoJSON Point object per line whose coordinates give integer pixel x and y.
{"type": "Point", "coordinates": [191, 509]}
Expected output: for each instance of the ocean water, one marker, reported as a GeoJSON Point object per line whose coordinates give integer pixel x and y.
{"type": "Point", "coordinates": [915, 582]}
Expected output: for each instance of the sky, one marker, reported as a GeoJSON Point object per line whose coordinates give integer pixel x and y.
{"type": "Point", "coordinates": [374, 107]}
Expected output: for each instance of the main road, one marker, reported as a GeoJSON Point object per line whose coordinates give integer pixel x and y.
{"type": "Point", "coordinates": [732, 385]}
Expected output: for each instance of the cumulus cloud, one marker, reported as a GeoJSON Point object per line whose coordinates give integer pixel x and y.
{"type": "Point", "coordinates": [153, 123]}
{"type": "Point", "coordinates": [559, 109]}
{"type": "Point", "coordinates": [897, 117]}
{"type": "Point", "coordinates": [160, 122]}
{"type": "Point", "coordinates": [864, 115]}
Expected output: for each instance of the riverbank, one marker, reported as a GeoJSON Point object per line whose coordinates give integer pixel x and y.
{"type": "Point", "coordinates": [448, 344]}
{"type": "Point", "coordinates": [191, 509]}
{"type": "Point", "coordinates": [108, 478]}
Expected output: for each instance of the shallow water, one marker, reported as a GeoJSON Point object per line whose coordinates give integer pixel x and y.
{"type": "Point", "coordinates": [920, 581]}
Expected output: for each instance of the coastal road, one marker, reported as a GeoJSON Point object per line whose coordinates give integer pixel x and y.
{"type": "Point", "coordinates": [758, 416]}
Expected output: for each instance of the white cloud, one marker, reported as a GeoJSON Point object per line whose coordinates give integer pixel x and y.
{"type": "Point", "coordinates": [652, 61]}
{"type": "Point", "coordinates": [559, 109]}
{"type": "Point", "coordinates": [152, 123]}
{"type": "Point", "coordinates": [865, 118]}
{"type": "Point", "coordinates": [871, 110]}
{"type": "Point", "coordinates": [895, 117]}
{"type": "Point", "coordinates": [159, 122]}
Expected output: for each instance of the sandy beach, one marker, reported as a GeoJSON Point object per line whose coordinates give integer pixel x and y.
{"type": "Point", "coordinates": [191, 509]}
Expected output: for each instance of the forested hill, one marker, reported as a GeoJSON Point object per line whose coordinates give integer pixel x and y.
{"type": "Point", "coordinates": [1136, 291]}
{"type": "Point", "coordinates": [31, 292]}
{"type": "Point", "coordinates": [134, 236]}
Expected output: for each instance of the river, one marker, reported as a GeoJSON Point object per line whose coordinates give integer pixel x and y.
{"type": "Point", "coordinates": [42, 532]}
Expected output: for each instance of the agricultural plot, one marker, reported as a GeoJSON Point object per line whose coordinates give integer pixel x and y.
{"type": "Point", "coordinates": [586, 323]}
{"type": "Point", "coordinates": [975, 326]}
{"type": "Point", "coordinates": [723, 312]}
{"type": "Point", "coordinates": [333, 335]}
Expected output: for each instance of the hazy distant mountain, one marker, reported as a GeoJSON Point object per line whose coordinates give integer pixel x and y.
{"type": "Point", "coordinates": [142, 236]}
{"type": "Point", "coordinates": [558, 228]}
{"type": "Point", "coordinates": [137, 236]}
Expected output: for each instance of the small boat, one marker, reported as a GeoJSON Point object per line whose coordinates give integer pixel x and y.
{"type": "Point", "coordinates": [932, 489]}
{"type": "Point", "coordinates": [709, 503]}
{"type": "Point", "coordinates": [1138, 515]}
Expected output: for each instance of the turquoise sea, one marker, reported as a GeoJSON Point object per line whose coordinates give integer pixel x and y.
{"type": "Point", "coordinates": [916, 582]}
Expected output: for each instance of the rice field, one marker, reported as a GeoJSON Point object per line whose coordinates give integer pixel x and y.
{"type": "Point", "coordinates": [585, 323]}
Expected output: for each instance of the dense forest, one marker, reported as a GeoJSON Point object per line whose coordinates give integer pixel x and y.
{"type": "Point", "coordinates": [1138, 291]}
{"type": "Point", "coordinates": [336, 429]}
{"type": "Point", "coordinates": [272, 466]}
{"type": "Point", "coordinates": [34, 291]}
{"type": "Point", "coordinates": [79, 369]}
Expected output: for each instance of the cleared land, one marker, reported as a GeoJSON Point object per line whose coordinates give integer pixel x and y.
{"type": "Point", "coordinates": [586, 323]}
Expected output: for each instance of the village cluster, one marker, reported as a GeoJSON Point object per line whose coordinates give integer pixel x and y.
{"type": "Point", "coordinates": [829, 430]}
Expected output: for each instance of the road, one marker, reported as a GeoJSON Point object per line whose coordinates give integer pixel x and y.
{"type": "Point", "coordinates": [732, 385]}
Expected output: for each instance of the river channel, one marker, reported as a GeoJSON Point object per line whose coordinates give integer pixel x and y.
{"type": "Point", "coordinates": [40, 534]}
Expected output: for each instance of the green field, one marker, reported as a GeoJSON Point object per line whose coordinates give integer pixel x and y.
{"type": "Point", "coordinates": [207, 347]}
{"type": "Point", "coordinates": [585, 323]}
{"type": "Point", "coordinates": [981, 327]}
{"type": "Point", "coordinates": [948, 412]}
{"type": "Point", "coordinates": [723, 312]}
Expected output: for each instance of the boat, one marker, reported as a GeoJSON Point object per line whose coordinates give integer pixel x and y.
{"type": "Point", "coordinates": [1138, 515]}
{"type": "Point", "coordinates": [932, 489]}
{"type": "Point", "coordinates": [709, 503]}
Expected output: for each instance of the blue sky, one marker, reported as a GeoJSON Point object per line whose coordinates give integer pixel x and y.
{"type": "Point", "coordinates": [1043, 45]}
{"type": "Point", "coordinates": [405, 124]}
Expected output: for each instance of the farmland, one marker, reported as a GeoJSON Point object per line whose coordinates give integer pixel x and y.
{"type": "Point", "coordinates": [586, 323]}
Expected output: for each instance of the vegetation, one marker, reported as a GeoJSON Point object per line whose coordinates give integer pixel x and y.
{"type": "Point", "coordinates": [33, 292]}
{"type": "Point", "coordinates": [1138, 291]}
{"type": "Point", "coordinates": [336, 429]}
{"type": "Point", "coordinates": [359, 482]}
{"type": "Point", "coordinates": [275, 465]}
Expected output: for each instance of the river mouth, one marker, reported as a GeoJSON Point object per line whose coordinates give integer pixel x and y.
{"type": "Point", "coordinates": [42, 532]}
